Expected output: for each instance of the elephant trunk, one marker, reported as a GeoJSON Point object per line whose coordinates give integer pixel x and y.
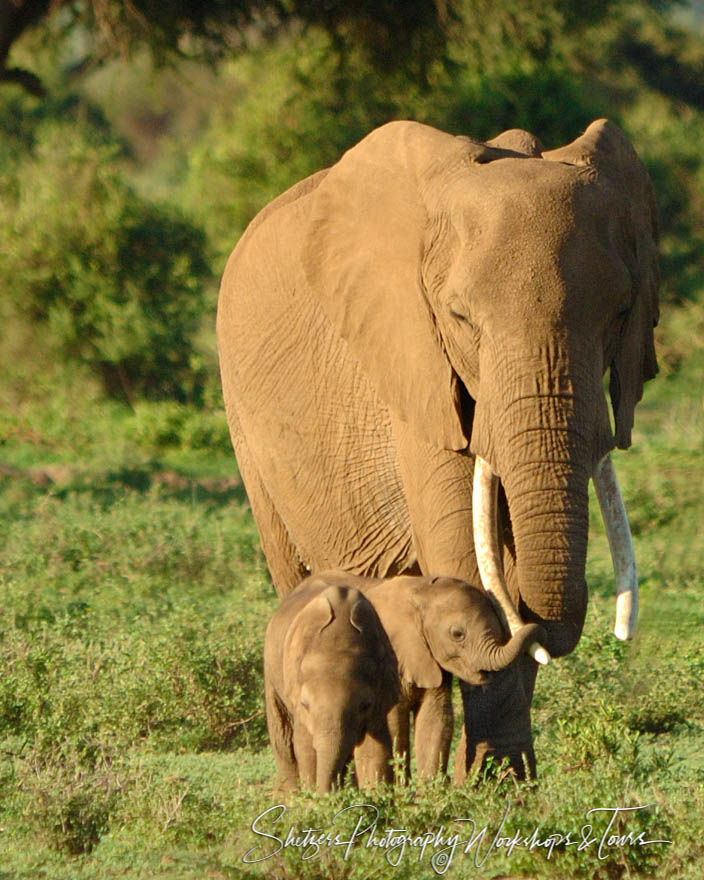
{"type": "Point", "coordinates": [493, 656]}
{"type": "Point", "coordinates": [541, 444]}
{"type": "Point", "coordinates": [549, 517]}
{"type": "Point", "coordinates": [332, 755]}
{"type": "Point", "coordinates": [488, 549]}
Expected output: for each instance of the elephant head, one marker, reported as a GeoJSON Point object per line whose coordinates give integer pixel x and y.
{"type": "Point", "coordinates": [339, 680]}
{"type": "Point", "coordinates": [444, 623]}
{"type": "Point", "coordinates": [485, 289]}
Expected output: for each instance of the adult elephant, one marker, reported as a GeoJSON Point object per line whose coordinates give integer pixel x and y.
{"type": "Point", "coordinates": [429, 307]}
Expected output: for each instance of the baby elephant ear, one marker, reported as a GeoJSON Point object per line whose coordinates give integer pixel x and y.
{"type": "Point", "coordinates": [326, 607]}
{"type": "Point", "coordinates": [606, 149]}
{"type": "Point", "coordinates": [362, 616]}
{"type": "Point", "coordinates": [518, 141]}
{"type": "Point", "coordinates": [362, 255]}
{"type": "Point", "coordinates": [394, 602]}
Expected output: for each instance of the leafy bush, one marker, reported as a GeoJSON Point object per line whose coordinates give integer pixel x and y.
{"type": "Point", "coordinates": [115, 281]}
{"type": "Point", "coordinates": [168, 424]}
{"type": "Point", "coordinates": [71, 803]}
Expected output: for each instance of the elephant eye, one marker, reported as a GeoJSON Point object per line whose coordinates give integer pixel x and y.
{"type": "Point", "coordinates": [365, 706]}
{"type": "Point", "coordinates": [305, 704]}
{"type": "Point", "coordinates": [461, 317]}
{"type": "Point", "coordinates": [465, 323]}
{"type": "Point", "coordinates": [457, 633]}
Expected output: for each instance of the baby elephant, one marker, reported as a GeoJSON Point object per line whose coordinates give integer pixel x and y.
{"type": "Point", "coordinates": [330, 680]}
{"type": "Point", "coordinates": [438, 627]}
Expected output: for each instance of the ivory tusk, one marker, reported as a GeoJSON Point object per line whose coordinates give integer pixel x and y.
{"type": "Point", "coordinates": [618, 532]}
{"type": "Point", "coordinates": [486, 542]}
{"type": "Point", "coordinates": [539, 654]}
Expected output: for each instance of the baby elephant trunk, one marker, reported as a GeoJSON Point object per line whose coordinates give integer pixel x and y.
{"type": "Point", "coordinates": [331, 761]}
{"type": "Point", "coordinates": [493, 657]}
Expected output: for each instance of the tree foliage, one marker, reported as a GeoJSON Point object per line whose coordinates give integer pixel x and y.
{"type": "Point", "coordinates": [112, 280]}
{"type": "Point", "coordinates": [394, 33]}
{"type": "Point", "coordinates": [120, 283]}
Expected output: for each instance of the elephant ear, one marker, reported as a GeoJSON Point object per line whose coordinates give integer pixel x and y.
{"type": "Point", "coordinates": [363, 617]}
{"type": "Point", "coordinates": [518, 141]}
{"type": "Point", "coordinates": [605, 148]}
{"type": "Point", "coordinates": [394, 602]}
{"type": "Point", "coordinates": [313, 618]}
{"type": "Point", "coordinates": [362, 256]}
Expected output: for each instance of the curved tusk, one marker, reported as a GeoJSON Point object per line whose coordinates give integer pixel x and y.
{"type": "Point", "coordinates": [539, 654]}
{"type": "Point", "coordinates": [618, 532]}
{"type": "Point", "coordinates": [486, 542]}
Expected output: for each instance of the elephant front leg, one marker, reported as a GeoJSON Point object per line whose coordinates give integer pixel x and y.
{"type": "Point", "coordinates": [372, 757]}
{"type": "Point", "coordinates": [497, 722]}
{"type": "Point", "coordinates": [438, 489]}
{"type": "Point", "coordinates": [305, 755]}
{"type": "Point", "coordinates": [433, 730]}
{"type": "Point", "coordinates": [399, 721]}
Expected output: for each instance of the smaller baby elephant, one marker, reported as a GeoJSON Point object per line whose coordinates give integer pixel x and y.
{"type": "Point", "coordinates": [330, 679]}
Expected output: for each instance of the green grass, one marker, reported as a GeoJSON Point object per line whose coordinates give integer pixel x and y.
{"type": "Point", "coordinates": [133, 601]}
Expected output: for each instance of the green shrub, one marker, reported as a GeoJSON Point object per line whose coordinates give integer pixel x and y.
{"type": "Point", "coordinates": [142, 622]}
{"type": "Point", "coordinates": [116, 282]}
{"type": "Point", "coordinates": [170, 425]}
{"type": "Point", "coordinates": [69, 802]}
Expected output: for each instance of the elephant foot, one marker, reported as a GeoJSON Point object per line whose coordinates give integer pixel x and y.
{"type": "Point", "coordinates": [485, 759]}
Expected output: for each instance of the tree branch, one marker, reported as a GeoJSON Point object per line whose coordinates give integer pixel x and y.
{"type": "Point", "coordinates": [24, 78]}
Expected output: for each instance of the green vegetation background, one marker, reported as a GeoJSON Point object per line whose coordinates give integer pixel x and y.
{"type": "Point", "coordinates": [133, 593]}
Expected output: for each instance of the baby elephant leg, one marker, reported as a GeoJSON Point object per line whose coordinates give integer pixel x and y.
{"type": "Point", "coordinates": [433, 730]}
{"type": "Point", "coordinates": [280, 728]}
{"type": "Point", "coordinates": [372, 757]}
{"type": "Point", "coordinates": [399, 719]}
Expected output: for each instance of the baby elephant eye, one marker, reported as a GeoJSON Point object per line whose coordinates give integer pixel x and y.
{"type": "Point", "coordinates": [457, 633]}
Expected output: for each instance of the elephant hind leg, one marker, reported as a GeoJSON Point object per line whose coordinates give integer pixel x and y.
{"type": "Point", "coordinates": [285, 565]}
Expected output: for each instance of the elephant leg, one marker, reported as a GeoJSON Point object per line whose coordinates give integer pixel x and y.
{"type": "Point", "coordinates": [462, 759]}
{"type": "Point", "coordinates": [399, 721]}
{"type": "Point", "coordinates": [438, 485]}
{"type": "Point", "coordinates": [433, 730]}
{"type": "Point", "coordinates": [372, 757]}
{"type": "Point", "coordinates": [283, 561]}
{"type": "Point", "coordinates": [498, 722]}
{"type": "Point", "coordinates": [281, 739]}
{"type": "Point", "coordinates": [305, 755]}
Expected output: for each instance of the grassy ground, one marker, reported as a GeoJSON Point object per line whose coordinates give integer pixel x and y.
{"type": "Point", "coordinates": [133, 600]}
